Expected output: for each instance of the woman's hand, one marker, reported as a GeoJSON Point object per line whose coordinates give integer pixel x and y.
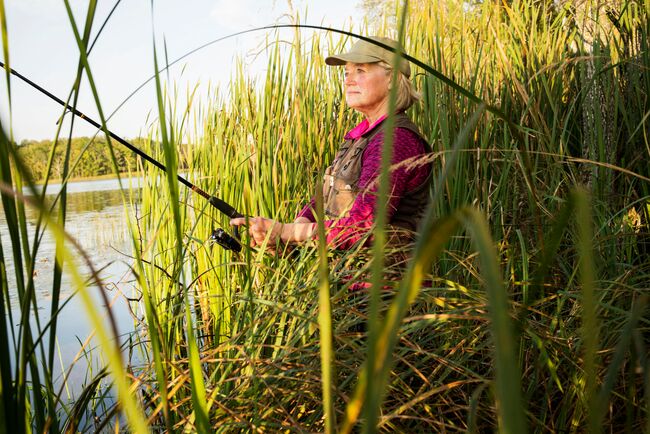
{"type": "Point", "coordinates": [287, 233]}
{"type": "Point", "coordinates": [259, 228]}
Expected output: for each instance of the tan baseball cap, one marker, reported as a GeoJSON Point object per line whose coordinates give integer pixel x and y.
{"type": "Point", "coordinates": [367, 52]}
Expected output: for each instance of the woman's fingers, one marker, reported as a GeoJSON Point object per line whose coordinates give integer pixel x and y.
{"type": "Point", "coordinates": [258, 228]}
{"type": "Point", "coordinates": [242, 221]}
{"type": "Point", "coordinates": [238, 221]}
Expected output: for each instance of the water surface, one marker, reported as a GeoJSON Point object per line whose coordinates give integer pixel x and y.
{"type": "Point", "coordinates": [97, 220]}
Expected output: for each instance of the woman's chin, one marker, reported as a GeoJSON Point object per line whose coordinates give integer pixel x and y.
{"type": "Point", "coordinates": [353, 103]}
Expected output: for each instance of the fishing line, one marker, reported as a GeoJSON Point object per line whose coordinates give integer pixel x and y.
{"type": "Point", "coordinates": [222, 206]}
{"type": "Point", "coordinates": [514, 128]}
{"type": "Point", "coordinates": [220, 236]}
{"type": "Point", "coordinates": [421, 64]}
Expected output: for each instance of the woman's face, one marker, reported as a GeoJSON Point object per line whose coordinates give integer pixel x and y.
{"type": "Point", "coordinates": [366, 88]}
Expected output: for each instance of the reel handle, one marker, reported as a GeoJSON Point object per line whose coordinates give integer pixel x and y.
{"type": "Point", "coordinates": [225, 240]}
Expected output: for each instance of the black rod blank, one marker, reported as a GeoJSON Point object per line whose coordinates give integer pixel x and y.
{"type": "Point", "coordinates": [219, 204]}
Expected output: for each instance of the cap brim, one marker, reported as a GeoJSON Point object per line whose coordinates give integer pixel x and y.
{"type": "Point", "coordinates": [342, 59]}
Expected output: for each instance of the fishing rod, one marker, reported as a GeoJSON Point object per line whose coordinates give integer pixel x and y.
{"type": "Point", "coordinates": [220, 236]}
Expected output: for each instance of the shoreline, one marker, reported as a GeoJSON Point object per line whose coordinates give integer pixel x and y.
{"type": "Point", "coordinates": [108, 176]}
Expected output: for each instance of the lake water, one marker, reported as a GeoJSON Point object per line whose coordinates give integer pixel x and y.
{"type": "Point", "coordinates": [97, 219]}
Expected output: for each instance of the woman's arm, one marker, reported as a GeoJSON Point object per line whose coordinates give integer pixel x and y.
{"type": "Point", "coordinates": [260, 228]}
{"type": "Point", "coordinates": [298, 231]}
{"type": "Point", "coordinates": [302, 220]}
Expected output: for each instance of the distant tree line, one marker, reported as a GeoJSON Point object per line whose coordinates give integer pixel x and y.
{"type": "Point", "coordinates": [93, 155]}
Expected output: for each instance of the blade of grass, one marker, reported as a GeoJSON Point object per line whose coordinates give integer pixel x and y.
{"type": "Point", "coordinates": [16, 391]}
{"type": "Point", "coordinates": [625, 339]}
{"type": "Point", "coordinates": [108, 343]}
{"type": "Point", "coordinates": [16, 220]}
{"type": "Point", "coordinates": [429, 245]}
{"type": "Point", "coordinates": [133, 413]}
{"type": "Point", "coordinates": [172, 170]}
{"type": "Point", "coordinates": [196, 373]}
{"type": "Point", "coordinates": [590, 329]}
{"type": "Point", "coordinates": [5, 52]}
{"type": "Point", "coordinates": [58, 267]}
{"type": "Point", "coordinates": [373, 391]}
{"type": "Point", "coordinates": [508, 375]}
{"type": "Point", "coordinates": [6, 386]}
{"type": "Point", "coordinates": [434, 236]}
{"type": "Point", "coordinates": [325, 320]}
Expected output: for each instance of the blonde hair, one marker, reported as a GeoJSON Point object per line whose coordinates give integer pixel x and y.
{"type": "Point", "coordinates": [407, 95]}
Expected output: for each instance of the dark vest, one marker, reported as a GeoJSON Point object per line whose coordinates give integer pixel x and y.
{"type": "Point", "coordinates": [340, 184]}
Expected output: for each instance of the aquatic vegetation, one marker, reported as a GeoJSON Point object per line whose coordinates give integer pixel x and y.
{"type": "Point", "coordinates": [524, 306]}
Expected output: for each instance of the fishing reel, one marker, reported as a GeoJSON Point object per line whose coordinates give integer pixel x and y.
{"type": "Point", "coordinates": [225, 240]}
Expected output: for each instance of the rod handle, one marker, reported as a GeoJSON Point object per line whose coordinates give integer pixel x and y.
{"type": "Point", "coordinates": [224, 207]}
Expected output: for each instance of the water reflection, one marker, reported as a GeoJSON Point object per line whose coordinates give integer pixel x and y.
{"type": "Point", "coordinates": [97, 219]}
{"type": "Point", "coordinates": [86, 201]}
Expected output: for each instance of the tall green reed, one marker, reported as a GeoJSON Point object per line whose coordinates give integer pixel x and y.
{"type": "Point", "coordinates": [375, 388]}
{"type": "Point", "coordinates": [30, 393]}
{"type": "Point", "coordinates": [250, 151]}
{"type": "Point", "coordinates": [234, 339]}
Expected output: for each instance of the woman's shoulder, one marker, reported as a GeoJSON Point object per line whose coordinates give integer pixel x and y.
{"type": "Point", "coordinates": [408, 134]}
{"type": "Point", "coordinates": [407, 141]}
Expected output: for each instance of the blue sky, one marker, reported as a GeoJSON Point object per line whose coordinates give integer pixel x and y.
{"type": "Point", "coordinates": [42, 47]}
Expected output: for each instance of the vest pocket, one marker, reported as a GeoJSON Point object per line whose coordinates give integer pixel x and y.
{"type": "Point", "coordinates": [340, 196]}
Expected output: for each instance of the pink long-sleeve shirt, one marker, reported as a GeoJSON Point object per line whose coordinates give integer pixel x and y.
{"type": "Point", "coordinates": [344, 232]}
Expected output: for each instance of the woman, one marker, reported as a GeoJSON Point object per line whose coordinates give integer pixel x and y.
{"type": "Point", "coordinates": [350, 183]}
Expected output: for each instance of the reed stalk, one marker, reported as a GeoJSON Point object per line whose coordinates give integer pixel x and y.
{"type": "Point", "coordinates": [522, 308]}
